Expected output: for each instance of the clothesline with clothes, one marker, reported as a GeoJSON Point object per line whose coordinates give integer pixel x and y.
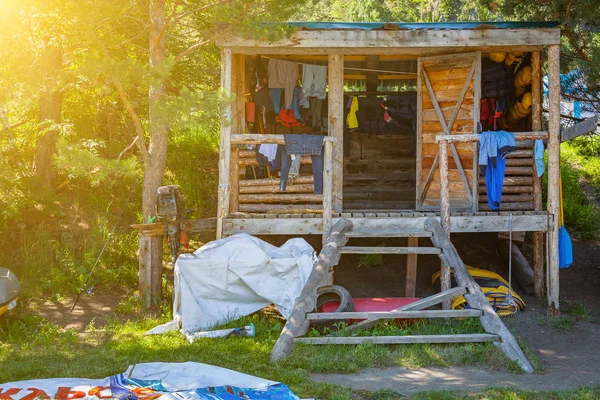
{"type": "Point", "coordinates": [280, 99]}
{"type": "Point", "coordinates": [347, 68]}
{"type": "Point", "coordinates": [287, 158]}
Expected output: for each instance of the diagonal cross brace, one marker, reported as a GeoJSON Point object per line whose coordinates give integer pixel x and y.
{"type": "Point", "coordinates": [446, 128]}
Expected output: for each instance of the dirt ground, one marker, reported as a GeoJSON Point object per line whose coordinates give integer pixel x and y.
{"type": "Point", "coordinates": [97, 307]}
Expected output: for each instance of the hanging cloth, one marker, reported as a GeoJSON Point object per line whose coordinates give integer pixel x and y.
{"type": "Point", "coordinates": [283, 75]}
{"type": "Point", "coordinates": [565, 247]}
{"type": "Point", "coordinates": [538, 152]}
{"type": "Point", "coordinates": [314, 81]}
{"type": "Point", "coordinates": [351, 117]}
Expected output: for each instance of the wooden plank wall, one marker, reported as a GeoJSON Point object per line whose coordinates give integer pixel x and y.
{"type": "Point", "coordinates": [447, 80]}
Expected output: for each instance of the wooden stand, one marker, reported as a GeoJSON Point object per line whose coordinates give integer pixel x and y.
{"type": "Point", "coordinates": [302, 314]}
{"type": "Point", "coordinates": [150, 263]}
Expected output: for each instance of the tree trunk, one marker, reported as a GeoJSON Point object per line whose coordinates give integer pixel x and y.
{"type": "Point", "coordinates": [154, 163]}
{"type": "Point", "coordinates": [50, 112]}
{"type": "Point", "coordinates": [155, 166]}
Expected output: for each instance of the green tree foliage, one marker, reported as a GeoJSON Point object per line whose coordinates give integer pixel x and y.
{"type": "Point", "coordinates": [394, 10]}
{"type": "Point", "coordinates": [106, 80]}
{"type": "Point", "coordinates": [580, 49]}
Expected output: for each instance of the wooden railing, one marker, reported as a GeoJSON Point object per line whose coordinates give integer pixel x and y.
{"type": "Point", "coordinates": [328, 142]}
{"type": "Point", "coordinates": [444, 141]}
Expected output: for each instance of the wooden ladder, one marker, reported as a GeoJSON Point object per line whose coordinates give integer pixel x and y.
{"type": "Point", "coordinates": [299, 321]}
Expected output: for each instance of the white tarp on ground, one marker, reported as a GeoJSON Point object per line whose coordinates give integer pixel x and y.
{"type": "Point", "coordinates": [236, 276]}
{"type": "Point", "coordinates": [188, 380]}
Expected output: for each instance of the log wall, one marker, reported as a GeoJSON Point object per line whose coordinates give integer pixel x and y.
{"type": "Point", "coordinates": [379, 173]}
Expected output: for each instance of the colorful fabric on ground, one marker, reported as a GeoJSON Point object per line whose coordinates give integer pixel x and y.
{"type": "Point", "coordinates": [154, 381]}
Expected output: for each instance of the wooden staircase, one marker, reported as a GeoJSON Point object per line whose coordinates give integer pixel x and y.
{"type": "Point", "coordinates": [335, 245]}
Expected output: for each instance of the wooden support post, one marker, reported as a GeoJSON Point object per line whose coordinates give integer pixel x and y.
{"type": "Point", "coordinates": [475, 298]}
{"type": "Point", "coordinates": [411, 269]}
{"type": "Point", "coordinates": [327, 191]}
{"type": "Point", "coordinates": [297, 324]}
{"type": "Point", "coordinates": [336, 125]}
{"type": "Point", "coordinates": [476, 124]}
{"type": "Point", "coordinates": [554, 175]}
{"type": "Point", "coordinates": [238, 125]}
{"type": "Point", "coordinates": [536, 125]}
{"type": "Point", "coordinates": [225, 144]}
{"type": "Point", "coordinates": [150, 268]}
{"type": "Point", "coordinates": [444, 212]}
{"type": "Point", "coordinates": [419, 133]}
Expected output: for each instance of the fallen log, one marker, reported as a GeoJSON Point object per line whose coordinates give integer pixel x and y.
{"type": "Point", "coordinates": [522, 271]}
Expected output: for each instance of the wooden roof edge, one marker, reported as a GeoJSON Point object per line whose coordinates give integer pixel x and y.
{"type": "Point", "coordinates": [400, 39]}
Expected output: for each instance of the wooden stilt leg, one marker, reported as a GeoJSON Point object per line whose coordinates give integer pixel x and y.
{"type": "Point", "coordinates": [411, 269]}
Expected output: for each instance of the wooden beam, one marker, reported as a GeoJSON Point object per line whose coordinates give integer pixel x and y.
{"type": "Point", "coordinates": [336, 107]}
{"type": "Point", "coordinates": [390, 234]}
{"type": "Point", "coordinates": [238, 124]}
{"type": "Point", "coordinates": [278, 208]}
{"type": "Point", "coordinates": [225, 144]}
{"type": "Point", "coordinates": [411, 269]}
{"type": "Point", "coordinates": [536, 125]}
{"type": "Point", "coordinates": [476, 124]}
{"type": "Point", "coordinates": [420, 192]}
{"type": "Point", "coordinates": [199, 225]}
{"type": "Point", "coordinates": [520, 266]}
{"type": "Point", "coordinates": [456, 338]}
{"type": "Point", "coordinates": [554, 174]}
{"type": "Point", "coordinates": [466, 138]}
{"type": "Point", "coordinates": [307, 179]}
{"type": "Point", "coordinates": [402, 52]}
{"type": "Point", "coordinates": [326, 316]}
{"type": "Point", "coordinates": [327, 190]}
{"type": "Point", "coordinates": [445, 282]}
{"type": "Point", "coordinates": [581, 128]}
{"type": "Point", "coordinates": [475, 297]}
{"type": "Point", "coordinates": [313, 226]}
{"type": "Point", "coordinates": [388, 250]}
{"type": "Point", "coordinates": [276, 189]}
{"type": "Point", "coordinates": [257, 138]}
{"type": "Point", "coordinates": [372, 78]}
{"type": "Point", "coordinates": [384, 39]}
{"type": "Point", "coordinates": [297, 324]}
{"type": "Point", "coordinates": [281, 198]}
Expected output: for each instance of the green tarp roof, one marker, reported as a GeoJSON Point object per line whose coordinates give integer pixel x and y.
{"type": "Point", "coordinates": [427, 25]}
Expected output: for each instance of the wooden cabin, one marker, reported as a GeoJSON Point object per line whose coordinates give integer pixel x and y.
{"type": "Point", "coordinates": [388, 180]}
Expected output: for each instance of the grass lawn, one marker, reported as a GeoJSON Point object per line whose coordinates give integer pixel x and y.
{"type": "Point", "coordinates": [32, 347]}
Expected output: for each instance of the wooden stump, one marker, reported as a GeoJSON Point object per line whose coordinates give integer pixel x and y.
{"type": "Point", "coordinates": [150, 269]}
